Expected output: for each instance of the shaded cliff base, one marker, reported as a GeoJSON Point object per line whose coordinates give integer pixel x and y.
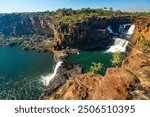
{"type": "Point", "coordinates": [131, 81]}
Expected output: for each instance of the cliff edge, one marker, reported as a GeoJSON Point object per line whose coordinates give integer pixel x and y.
{"type": "Point", "coordinates": [131, 81]}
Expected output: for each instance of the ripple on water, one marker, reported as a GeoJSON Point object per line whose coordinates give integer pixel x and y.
{"type": "Point", "coordinates": [20, 73]}
{"type": "Point", "coordinates": [24, 89]}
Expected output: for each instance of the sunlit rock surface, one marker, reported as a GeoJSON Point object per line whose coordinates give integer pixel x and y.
{"type": "Point", "coordinates": [131, 81]}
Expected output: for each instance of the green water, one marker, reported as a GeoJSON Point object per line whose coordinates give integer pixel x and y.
{"type": "Point", "coordinates": [86, 58]}
{"type": "Point", "coordinates": [20, 73]}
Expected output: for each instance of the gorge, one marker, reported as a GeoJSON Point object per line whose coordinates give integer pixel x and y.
{"type": "Point", "coordinates": [83, 37]}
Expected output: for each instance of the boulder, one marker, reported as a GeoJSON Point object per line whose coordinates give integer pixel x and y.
{"type": "Point", "coordinates": [139, 64]}
{"type": "Point", "coordinates": [113, 86]}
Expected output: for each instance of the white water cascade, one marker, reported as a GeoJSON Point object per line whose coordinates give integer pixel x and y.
{"type": "Point", "coordinates": [121, 28]}
{"type": "Point", "coordinates": [109, 29]}
{"type": "Point", "coordinates": [46, 79]}
{"type": "Point", "coordinates": [131, 29]}
{"type": "Point", "coordinates": [120, 44]}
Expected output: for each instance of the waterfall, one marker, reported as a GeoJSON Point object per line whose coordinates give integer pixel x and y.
{"type": "Point", "coordinates": [119, 45]}
{"type": "Point", "coordinates": [131, 29]}
{"type": "Point", "coordinates": [109, 29]}
{"type": "Point", "coordinates": [121, 29]}
{"type": "Point", "coordinates": [46, 79]}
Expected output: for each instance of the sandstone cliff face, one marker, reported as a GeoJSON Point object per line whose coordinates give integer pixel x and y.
{"type": "Point", "coordinates": [131, 81]}
{"type": "Point", "coordinates": [89, 31]}
{"type": "Point", "coordinates": [15, 25]}
{"type": "Point", "coordinates": [88, 34]}
{"type": "Point", "coordinates": [139, 64]}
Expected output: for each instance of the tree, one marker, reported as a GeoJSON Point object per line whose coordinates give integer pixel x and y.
{"type": "Point", "coordinates": [105, 8]}
{"type": "Point", "coordinates": [96, 67]}
{"type": "Point", "coordinates": [117, 59]}
{"type": "Point", "coordinates": [111, 9]}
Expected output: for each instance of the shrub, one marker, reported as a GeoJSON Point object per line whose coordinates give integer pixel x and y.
{"type": "Point", "coordinates": [96, 67]}
{"type": "Point", "coordinates": [145, 43]}
{"type": "Point", "coordinates": [117, 59]}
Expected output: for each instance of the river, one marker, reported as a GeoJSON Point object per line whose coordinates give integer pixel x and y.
{"type": "Point", "coordinates": [21, 71]}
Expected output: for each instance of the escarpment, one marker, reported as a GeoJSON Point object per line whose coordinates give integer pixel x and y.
{"type": "Point", "coordinates": [88, 34]}
{"type": "Point", "coordinates": [69, 28]}
{"type": "Point", "coordinates": [17, 24]}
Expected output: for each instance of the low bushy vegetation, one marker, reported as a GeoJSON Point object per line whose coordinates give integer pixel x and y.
{"type": "Point", "coordinates": [144, 43]}
{"type": "Point", "coordinates": [117, 59]}
{"type": "Point", "coordinates": [96, 67]}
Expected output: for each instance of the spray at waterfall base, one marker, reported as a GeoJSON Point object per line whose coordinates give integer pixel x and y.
{"type": "Point", "coordinates": [46, 79]}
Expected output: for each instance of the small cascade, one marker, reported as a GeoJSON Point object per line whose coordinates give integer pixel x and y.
{"type": "Point", "coordinates": [131, 29]}
{"type": "Point", "coordinates": [109, 29]}
{"type": "Point", "coordinates": [126, 28]}
{"type": "Point", "coordinates": [119, 45]}
{"type": "Point", "coordinates": [121, 29]}
{"type": "Point", "coordinates": [46, 79]}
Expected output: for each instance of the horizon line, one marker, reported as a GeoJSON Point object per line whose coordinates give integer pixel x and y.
{"type": "Point", "coordinates": [72, 9]}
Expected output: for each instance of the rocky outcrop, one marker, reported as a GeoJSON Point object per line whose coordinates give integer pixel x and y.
{"type": "Point", "coordinates": [91, 86]}
{"type": "Point", "coordinates": [64, 72]}
{"type": "Point", "coordinates": [131, 81]}
{"type": "Point", "coordinates": [60, 55]}
{"type": "Point", "coordinates": [142, 30]}
{"type": "Point", "coordinates": [139, 64]}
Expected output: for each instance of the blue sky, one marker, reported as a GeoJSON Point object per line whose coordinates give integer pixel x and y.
{"type": "Point", "coordinates": [7, 6]}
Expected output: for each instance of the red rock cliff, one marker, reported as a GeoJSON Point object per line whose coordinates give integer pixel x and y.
{"type": "Point", "coordinates": [131, 81]}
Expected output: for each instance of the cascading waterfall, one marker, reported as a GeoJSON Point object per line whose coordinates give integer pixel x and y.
{"type": "Point", "coordinates": [46, 79]}
{"type": "Point", "coordinates": [121, 28]}
{"type": "Point", "coordinates": [126, 30]}
{"type": "Point", "coordinates": [120, 44]}
{"type": "Point", "coordinates": [109, 29]}
{"type": "Point", "coordinates": [131, 29]}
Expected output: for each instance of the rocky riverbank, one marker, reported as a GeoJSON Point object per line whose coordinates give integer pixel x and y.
{"type": "Point", "coordinates": [32, 42]}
